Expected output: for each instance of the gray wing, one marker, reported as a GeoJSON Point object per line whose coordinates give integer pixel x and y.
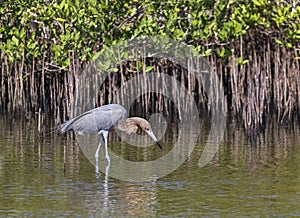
{"type": "Point", "coordinates": [101, 118]}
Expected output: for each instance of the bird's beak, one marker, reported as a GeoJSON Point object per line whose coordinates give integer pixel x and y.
{"type": "Point", "coordinates": [150, 133]}
{"type": "Point", "coordinates": [158, 144]}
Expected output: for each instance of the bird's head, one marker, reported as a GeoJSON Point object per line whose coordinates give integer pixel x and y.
{"type": "Point", "coordinates": [145, 126]}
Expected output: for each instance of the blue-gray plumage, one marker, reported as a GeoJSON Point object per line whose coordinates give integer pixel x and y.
{"type": "Point", "coordinates": [102, 120]}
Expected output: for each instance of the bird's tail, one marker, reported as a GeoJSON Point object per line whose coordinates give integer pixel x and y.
{"type": "Point", "coordinates": [65, 127]}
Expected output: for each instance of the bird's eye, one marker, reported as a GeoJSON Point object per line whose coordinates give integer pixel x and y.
{"type": "Point", "coordinates": [147, 129]}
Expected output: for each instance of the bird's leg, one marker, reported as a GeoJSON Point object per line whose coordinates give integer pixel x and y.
{"type": "Point", "coordinates": [99, 146]}
{"type": "Point", "coordinates": [105, 135]}
{"type": "Point", "coordinates": [97, 152]}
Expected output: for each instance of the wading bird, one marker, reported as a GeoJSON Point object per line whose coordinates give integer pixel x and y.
{"type": "Point", "coordinates": [104, 119]}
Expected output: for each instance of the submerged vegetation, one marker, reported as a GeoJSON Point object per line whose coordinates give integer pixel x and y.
{"type": "Point", "coordinates": [253, 45]}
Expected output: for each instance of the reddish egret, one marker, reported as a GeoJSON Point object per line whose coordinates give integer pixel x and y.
{"type": "Point", "coordinates": [104, 119]}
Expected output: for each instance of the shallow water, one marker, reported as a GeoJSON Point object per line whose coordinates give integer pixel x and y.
{"type": "Point", "coordinates": [45, 175]}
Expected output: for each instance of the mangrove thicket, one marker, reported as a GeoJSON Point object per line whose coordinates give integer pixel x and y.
{"type": "Point", "coordinates": [253, 45]}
